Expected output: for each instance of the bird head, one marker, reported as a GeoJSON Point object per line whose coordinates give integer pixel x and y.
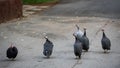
{"type": "Point", "coordinates": [103, 30]}
{"type": "Point", "coordinates": [45, 37]}
{"type": "Point", "coordinates": [84, 28]}
{"type": "Point", "coordinates": [74, 35]}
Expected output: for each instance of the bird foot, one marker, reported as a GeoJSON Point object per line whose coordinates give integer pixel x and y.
{"type": "Point", "coordinates": [108, 51]}
{"type": "Point", "coordinates": [79, 57]}
{"type": "Point", "coordinates": [105, 51]}
{"type": "Point", "coordinates": [12, 59]}
{"type": "Point", "coordinates": [86, 50]}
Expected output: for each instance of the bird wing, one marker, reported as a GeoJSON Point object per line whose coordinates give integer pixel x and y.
{"type": "Point", "coordinates": [106, 42]}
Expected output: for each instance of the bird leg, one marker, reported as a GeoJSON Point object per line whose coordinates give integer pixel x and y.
{"type": "Point", "coordinates": [105, 51]}
{"type": "Point", "coordinates": [108, 51]}
{"type": "Point", "coordinates": [12, 59]}
{"type": "Point", "coordinates": [48, 56]}
{"type": "Point", "coordinates": [79, 57]}
{"type": "Point", "coordinates": [87, 50]}
{"type": "Point", "coordinates": [76, 57]}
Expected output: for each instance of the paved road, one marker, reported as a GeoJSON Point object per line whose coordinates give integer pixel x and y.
{"type": "Point", "coordinates": [27, 35]}
{"type": "Point", "coordinates": [98, 8]}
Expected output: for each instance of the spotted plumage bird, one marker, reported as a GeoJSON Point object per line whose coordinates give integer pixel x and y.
{"type": "Point", "coordinates": [48, 47]}
{"type": "Point", "coordinates": [12, 52]}
{"type": "Point", "coordinates": [85, 41]}
{"type": "Point", "coordinates": [77, 47]}
{"type": "Point", "coordinates": [105, 41]}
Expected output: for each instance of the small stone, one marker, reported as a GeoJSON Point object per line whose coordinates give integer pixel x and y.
{"type": "Point", "coordinates": [5, 37]}
{"type": "Point", "coordinates": [33, 32]}
{"type": "Point", "coordinates": [22, 39]}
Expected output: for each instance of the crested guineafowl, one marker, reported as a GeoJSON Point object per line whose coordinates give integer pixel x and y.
{"type": "Point", "coordinates": [79, 33]}
{"type": "Point", "coordinates": [77, 47]}
{"type": "Point", "coordinates": [48, 47]}
{"type": "Point", "coordinates": [105, 41]}
{"type": "Point", "coordinates": [85, 41]}
{"type": "Point", "coordinates": [12, 52]}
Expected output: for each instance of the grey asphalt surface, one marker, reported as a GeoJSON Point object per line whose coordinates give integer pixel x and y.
{"type": "Point", "coordinates": [86, 8]}
{"type": "Point", "coordinates": [27, 36]}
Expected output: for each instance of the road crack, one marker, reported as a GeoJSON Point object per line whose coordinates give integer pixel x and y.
{"type": "Point", "coordinates": [77, 62]}
{"type": "Point", "coordinates": [99, 31]}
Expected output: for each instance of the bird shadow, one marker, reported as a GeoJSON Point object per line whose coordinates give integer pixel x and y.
{"type": "Point", "coordinates": [115, 52]}
{"type": "Point", "coordinates": [48, 57]}
{"type": "Point", "coordinates": [99, 52]}
{"type": "Point", "coordinates": [77, 58]}
{"type": "Point", "coordinates": [71, 58]}
{"type": "Point", "coordinates": [8, 60]}
{"type": "Point", "coordinates": [43, 57]}
{"type": "Point", "coordinates": [102, 52]}
{"type": "Point", "coordinates": [85, 51]}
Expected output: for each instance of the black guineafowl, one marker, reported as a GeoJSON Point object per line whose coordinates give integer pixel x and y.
{"type": "Point", "coordinates": [77, 47]}
{"type": "Point", "coordinates": [12, 52]}
{"type": "Point", "coordinates": [85, 41]}
{"type": "Point", "coordinates": [48, 47]}
{"type": "Point", "coordinates": [105, 41]}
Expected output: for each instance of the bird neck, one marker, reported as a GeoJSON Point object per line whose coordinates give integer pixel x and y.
{"type": "Point", "coordinates": [84, 32]}
{"type": "Point", "coordinates": [48, 40]}
{"type": "Point", "coordinates": [104, 34]}
{"type": "Point", "coordinates": [76, 39]}
{"type": "Point", "coordinates": [78, 28]}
